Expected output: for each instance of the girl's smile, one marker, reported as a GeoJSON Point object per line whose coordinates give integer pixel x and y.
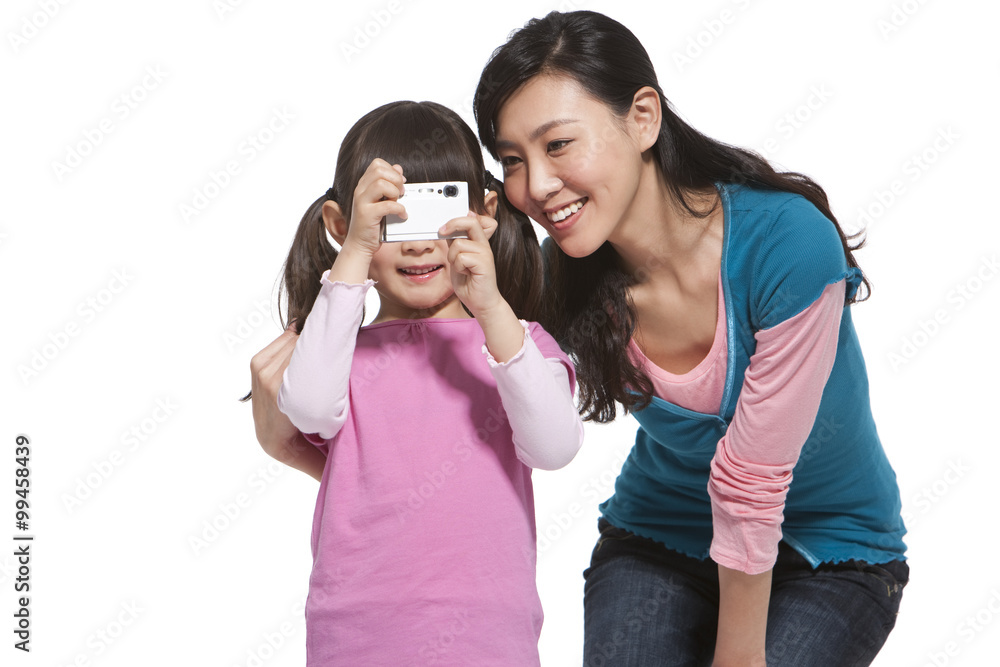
{"type": "Point", "coordinates": [413, 279]}
{"type": "Point", "coordinates": [421, 273]}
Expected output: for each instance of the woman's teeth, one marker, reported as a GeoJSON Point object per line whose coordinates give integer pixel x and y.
{"type": "Point", "coordinates": [563, 213]}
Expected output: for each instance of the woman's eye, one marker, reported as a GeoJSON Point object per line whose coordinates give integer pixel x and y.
{"type": "Point", "coordinates": [557, 145]}
{"type": "Point", "coordinates": [509, 161]}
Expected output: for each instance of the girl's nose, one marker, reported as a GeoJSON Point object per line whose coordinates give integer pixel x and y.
{"type": "Point", "coordinates": [417, 247]}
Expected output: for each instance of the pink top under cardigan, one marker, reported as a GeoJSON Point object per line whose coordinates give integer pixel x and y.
{"type": "Point", "coordinates": [753, 463]}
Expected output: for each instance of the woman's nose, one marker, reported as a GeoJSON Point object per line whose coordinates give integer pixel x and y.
{"type": "Point", "coordinates": [543, 183]}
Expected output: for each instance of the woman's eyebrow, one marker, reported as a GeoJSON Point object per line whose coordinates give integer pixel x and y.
{"type": "Point", "coordinates": [538, 131]}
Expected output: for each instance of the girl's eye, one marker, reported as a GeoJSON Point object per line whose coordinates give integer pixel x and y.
{"type": "Point", "coordinates": [557, 145]}
{"type": "Point", "coordinates": [509, 161]}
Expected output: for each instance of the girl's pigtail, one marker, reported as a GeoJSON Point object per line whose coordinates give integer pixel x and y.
{"type": "Point", "coordinates": [310, 255]}
{"type": "Point", "coordinates": [517, 257]}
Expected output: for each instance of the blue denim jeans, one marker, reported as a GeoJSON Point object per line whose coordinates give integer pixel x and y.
{"type": "Point", "coordinates": [646, 605]}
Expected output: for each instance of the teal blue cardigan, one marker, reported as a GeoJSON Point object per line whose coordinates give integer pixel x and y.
{"type": "Point", "coordinates": [779, 253]}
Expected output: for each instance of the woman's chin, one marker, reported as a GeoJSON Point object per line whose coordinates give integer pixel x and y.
{"type": "Point", "coordinates": [576, 247]}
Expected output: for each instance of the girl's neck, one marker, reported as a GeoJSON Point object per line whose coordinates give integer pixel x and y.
{"type": "Point", "coordinates": [451, 309]}
{"type": "Point", "coordinates": [659, 239]}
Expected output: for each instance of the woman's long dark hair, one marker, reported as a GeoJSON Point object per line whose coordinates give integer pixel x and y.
{"type": "Point", "coordinates": [589, 309]}
{"type": "Point", "coordinates": [432, 143]}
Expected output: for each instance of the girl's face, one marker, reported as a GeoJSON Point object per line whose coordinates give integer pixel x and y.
{"type": "Point", "coordinates": [569, 162]}
{"type": "Point", "coordinates": [413, 279]}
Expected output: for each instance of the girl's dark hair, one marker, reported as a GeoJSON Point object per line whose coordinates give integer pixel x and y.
{"type": "Point", "coordinates": [431, 143]}
{"type": "Point", "coordinates": [589, 309]}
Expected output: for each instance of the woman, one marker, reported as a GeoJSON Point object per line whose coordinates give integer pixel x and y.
{"type": "Point", "coordinates": [709, 296]}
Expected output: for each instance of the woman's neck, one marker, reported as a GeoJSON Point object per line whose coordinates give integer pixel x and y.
{"type": "Point", "coordinates": [659, 239]}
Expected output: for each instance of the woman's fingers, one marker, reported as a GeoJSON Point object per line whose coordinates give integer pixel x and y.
{"type": "Point", "coordinates": [268, 365]}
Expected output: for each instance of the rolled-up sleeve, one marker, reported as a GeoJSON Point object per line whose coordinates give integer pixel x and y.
{"type": "Point", "coordinates": [778, 404]}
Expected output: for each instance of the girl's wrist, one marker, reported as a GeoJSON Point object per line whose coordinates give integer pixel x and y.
{"type": "Point", "coordinates": [351, 265]}
{"type": "Point", "coordinates": [503, 331]}
{"type": "Point", "coordinates": [498, 311]}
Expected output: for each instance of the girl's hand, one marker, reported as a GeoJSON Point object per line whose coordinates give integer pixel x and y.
{"type": "Point", "coordinates": [474, 278]}
{"type": "Point", "coordinates": [473, 273]}
{"type": "Point", "coordinates": [374, 198]}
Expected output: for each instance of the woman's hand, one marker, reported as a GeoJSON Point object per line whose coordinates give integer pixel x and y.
{"type": "Point", "coordinates": [275, 433]}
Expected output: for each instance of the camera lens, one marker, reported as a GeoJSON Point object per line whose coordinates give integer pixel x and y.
{"type": "Point", "coordinates": [451, 191]}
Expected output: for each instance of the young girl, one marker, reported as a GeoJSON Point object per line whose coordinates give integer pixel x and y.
{"type": "Point", "coordinates": [431, 417]}
{"type": "Point", "coordinates": [757, 516]}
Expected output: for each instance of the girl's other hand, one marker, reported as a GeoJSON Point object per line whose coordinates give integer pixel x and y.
{"type": "Point", "coordinates": [474, 278]}
{"type": "Point", "coordinates": [473, 273]}
{"type": "Point", "coordinates": [374, 198]}
{"type": "Point", "coordinates": [488, 224]}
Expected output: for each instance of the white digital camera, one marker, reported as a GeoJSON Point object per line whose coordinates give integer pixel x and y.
{"type": "Point", "coordinates": [428, 206]}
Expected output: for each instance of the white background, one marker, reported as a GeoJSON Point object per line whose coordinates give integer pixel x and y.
{"type": "Point", "coordinates": [115, 305]}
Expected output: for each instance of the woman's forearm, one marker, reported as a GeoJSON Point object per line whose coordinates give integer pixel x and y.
{"type": "Point", "coordinates": [743, 602]}
{"type": "Point", "coordinates": [299, 454]}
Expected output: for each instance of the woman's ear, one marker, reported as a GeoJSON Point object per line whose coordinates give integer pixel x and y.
{"type": "Point", "coordinates": [335, 222]}
{"type": "Point", "coordinates": [490, 202]}
{"type": "Point", "coordinates": [646, 116]}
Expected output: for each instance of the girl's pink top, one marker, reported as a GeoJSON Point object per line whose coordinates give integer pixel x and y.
{"type": "Point", "coordinates": [424, 534]}
{"type": "Point", "coordinates": [781, 393]}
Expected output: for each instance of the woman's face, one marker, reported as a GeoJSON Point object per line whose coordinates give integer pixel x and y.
{"type": "Point", "coordinates": [569, 162]}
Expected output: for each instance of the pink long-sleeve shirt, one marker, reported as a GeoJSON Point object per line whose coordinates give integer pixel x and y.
{"type": "Point", "coordinates": [777, 407]}
{"type": "Point", "coordinates": [423, 535]}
